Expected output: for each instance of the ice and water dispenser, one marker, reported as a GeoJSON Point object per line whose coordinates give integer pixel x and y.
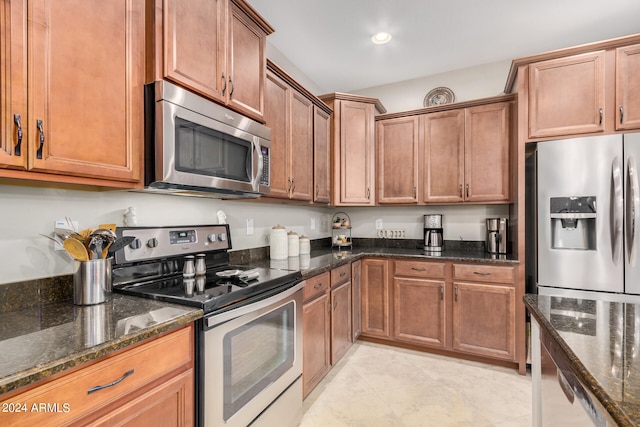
{"type": "Point", "coordinates": [573, 222]}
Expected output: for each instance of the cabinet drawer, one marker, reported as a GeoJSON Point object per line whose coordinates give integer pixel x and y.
{"type": "Point", "coordinates": [316, 286]}
{"type": "Point", "coordinates": [435, 270]}
{"type": "Point", "coordinates": [484, 273]}
{"type": "Point", "coordinates": [124, 373]}
{"type": "Point", "coordinates": [340, 275]}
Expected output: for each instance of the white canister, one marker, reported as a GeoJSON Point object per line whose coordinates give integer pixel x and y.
{"type": "Point", "coordinates": [278, 243]}
{"type": "Point", "coordinates": [305, 245]}
{"type": "Point", "coordinates": [294, 243]}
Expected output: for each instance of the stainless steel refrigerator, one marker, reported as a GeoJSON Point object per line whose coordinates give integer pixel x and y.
{"type": "Point", "coordinates": [588, 214]}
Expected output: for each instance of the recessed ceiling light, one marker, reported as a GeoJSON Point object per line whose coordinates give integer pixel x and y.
{"type": "Point", "coordinates": [381, 38]}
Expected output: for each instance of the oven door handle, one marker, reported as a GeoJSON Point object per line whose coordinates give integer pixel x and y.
{"type": "Point", "coordinates": [226, 316]}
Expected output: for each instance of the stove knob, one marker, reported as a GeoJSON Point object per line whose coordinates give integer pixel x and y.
{"type": "Point", "coordinates": [212, 237]}
{"type": "Point", "coordinates": [152, 243]}
{"type": "Point", "coordinates": [222, 237]}
{"type": "Point", "coordinates": [135, 244]}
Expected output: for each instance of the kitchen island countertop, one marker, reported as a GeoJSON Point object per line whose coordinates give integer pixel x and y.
{"type": "Point", "coordinates": [603, 354]}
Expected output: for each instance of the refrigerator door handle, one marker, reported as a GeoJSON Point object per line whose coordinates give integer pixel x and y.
{"type": "Point", "coordinates": [633, 210]}
{"type": "Point", "coordinates": [618, 210]}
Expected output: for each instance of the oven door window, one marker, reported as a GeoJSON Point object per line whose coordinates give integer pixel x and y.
{"type": "Point", "coordinates": [205, 151]}
{"type": "Point", "coordinates": [257, 354]}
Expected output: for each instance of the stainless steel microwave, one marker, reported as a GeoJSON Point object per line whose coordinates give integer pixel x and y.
{"type": "Point", "coordinates": [194, 146]}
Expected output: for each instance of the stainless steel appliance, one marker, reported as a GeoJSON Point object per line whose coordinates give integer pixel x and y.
{"type": "Point", "coordinates": [433, 233]}
{"type": "Point", "coordinates": [196, 147]}
{"type": "Point", "coordinates": [249, 342]}
{"type": "Point", "coordinates": [588, 214]}
{"type": "Point", "coordinates": [497, 237]}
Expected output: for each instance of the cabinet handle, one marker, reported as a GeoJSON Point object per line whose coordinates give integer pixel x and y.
{"type": "Point", "coordinates": [116, 382]}
{"type": "Point", "coordinates": [441, 293]}
{"type": "Point", "coordinates": [289, 187]}
{"type": "Point", "coordinates": [479, 273]}
{"type": "Point", "coordinates": [335, 303]}
{"type": "Point", "coordinates": [621, 114]}
{"type": "Point", "coordinates": [455, 294]}
{"type": "Point", "coordinates": [16, 119]}
{"type": "Point", "coordinates": [467, 190]}
{"type": "Point", "coordinates": [601, 114]}
{"type": "Point", "coordinates": [368, 193]}
{"type": "Point", "coordinates": [415, 191]}
{"type": "Point", "coordinates": [224, 80]}
{"type": "Point", "coordinates": [232, 88]}
{"type": "Point", "coordinates": [317, 191]}
{"type": "Point", "coordinates": [317, 286]}
{"type": "Point", "coordinates": [293, 181]}
{"type": "Point", "coordinates": [343, 274]}
{"type": "Point", "coordinates": [418, 269]}
{"type": "Point", "coordinates": [41, 130]}
{"type": "Point", "coordinates": [461, 191]}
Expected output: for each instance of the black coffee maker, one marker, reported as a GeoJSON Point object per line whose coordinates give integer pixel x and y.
{"type": "Point", "coordinates": [433, 241]}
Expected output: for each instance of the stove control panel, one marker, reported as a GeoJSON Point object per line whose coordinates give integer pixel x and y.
{"type": "Point", "coordinates": [160, 242]}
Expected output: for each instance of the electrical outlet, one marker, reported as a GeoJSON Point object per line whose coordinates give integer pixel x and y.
{"type": "Point", "coordinates": [249, 226]}
{"type": "Point", "coordinates": [63, 223]}
{"type": "Point", "coordinates": [379, 224]}
{"type": "Point", "coordinates": [313, 223]}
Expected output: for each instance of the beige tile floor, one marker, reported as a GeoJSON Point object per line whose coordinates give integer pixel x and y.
{"type": "Point", "coordinates": [376, 385]}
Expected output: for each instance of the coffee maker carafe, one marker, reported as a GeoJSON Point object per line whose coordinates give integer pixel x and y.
{"type": "Point", "coordinates": [433, 233]}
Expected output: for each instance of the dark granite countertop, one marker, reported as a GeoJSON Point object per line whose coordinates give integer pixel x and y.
{"type": "Point", "coordinates": [40, 341]}
{"type": "Point", "coordinates": [603, 349]}
{"type": "Point", "coordinates": [43, 339]}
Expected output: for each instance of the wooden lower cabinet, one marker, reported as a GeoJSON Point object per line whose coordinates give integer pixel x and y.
{"type": "Point", "coordinates": [356, 299]}
{"type": "Point", "coordinates": [484, 319]}
{"type": "Point", "coordinates": [316, 345]}
{"type": "Point", "coordinates": [340, 321]}
{"type": "Point", "coordinates": [149, 384]}
{"type": "Point", "coordinates": [464, 309]}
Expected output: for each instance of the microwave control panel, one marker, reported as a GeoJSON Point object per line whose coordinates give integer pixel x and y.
{"type": "Point", "coordinates": [264, 180]}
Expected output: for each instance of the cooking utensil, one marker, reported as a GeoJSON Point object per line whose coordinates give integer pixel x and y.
{"type": "Point", "coordinates": [97, 241]}
{"type": "Point", "coordinates": [228, 273]}
{"type": "Point", "coordinates": [76, 249]}
{"type": "Point", "coordinates": [65, 233]}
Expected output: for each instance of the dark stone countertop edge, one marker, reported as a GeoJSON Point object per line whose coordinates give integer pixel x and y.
{"type": "Point", "coordinates": [40, 372]}
{"type": "Point", "coordinates": [578, 368]}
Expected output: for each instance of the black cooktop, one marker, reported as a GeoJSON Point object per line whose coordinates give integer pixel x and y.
{"type": "Point", "coordinates": [211, 292]}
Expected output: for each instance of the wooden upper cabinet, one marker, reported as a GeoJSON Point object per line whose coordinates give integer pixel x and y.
{"type": "Point", "coordinates": [397, 160]}
{"type": "Point", "coordinates": [486, 153]}
{"type": "Point", "coordinates": [353, 148]}
{"type": "Point", "coordinates": [200, 66]}
{"type": "Point", "coordinates": [628, 87]}
{"type": "Point", "coordinates": [276, 114]}
{"type": "Point", "coordinates": [566, 95]}
{"type": "Point", "coordinates": [82, 120]}
{"type": "Point", "coordinates": [13, 84]}
{"type": "Point", "coordinates": [321, 155]}
{"type": "Point", "coordinates": [301, 151]}
{"type": "Point", "coordinates": [443, 163]}
{"type": "Point", "coordinates": [217, 48]}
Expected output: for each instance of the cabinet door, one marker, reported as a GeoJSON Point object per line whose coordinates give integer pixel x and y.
{"type": "Point", "coordinates": [246, 64]}
{"type": "Point", "coordinates": [316, 356]}
{"type": "Point", "coordinates": [321, 156]}
{"type": "Point", "coordinates": [340, 321]}
{"type": "Point", "coordinates": [397, 151]}
{"type": "Point", "coordinates": [276, 116]}
{"type": "Point", "coordinates": [356, 302]}
{"type": "Point", "coordinates": [566, 95]}
{"type": "Point", "coordinates": [13, 84]}
{"type": "Point", "coordinates": [170, 403]}
{"type": "Point", "coordinates": [443, 157]}
{"type": "Point", "coordinates": [486, 156]}
{"type": "Point", "coordinates": [419, 311]}
{"type": "Point", "coordinates": [86, 88]}
{"type": "Point", "coordinates": [484, 319]}
{"type": "Point", "coordinates": [194, 45]}
{"type": "Point", "coordinates": [357, 157]}
{"type": "Point", "coordinates": [301, 147]}
{"type": "Point", "coordinates": [375, 298]}
{"type": "Point", "coordinates": [628, 87]}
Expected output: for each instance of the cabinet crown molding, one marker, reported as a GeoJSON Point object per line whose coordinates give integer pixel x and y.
{"type": "Point", "coordinates": [357, 98]}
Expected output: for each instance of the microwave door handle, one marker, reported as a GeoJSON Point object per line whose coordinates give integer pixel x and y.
{"type": "Point", "coordinates": [255, 182]}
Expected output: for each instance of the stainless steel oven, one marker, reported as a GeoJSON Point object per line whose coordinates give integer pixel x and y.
{"type": "Point", "coordinates": [194, 146]}
{"type": "Point", "coordinates": [249, 341]}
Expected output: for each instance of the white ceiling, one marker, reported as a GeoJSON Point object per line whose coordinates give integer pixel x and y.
{"type": "Point", "coordinates": [329, 40]}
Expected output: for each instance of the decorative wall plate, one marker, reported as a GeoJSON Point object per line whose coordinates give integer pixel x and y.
{"type": "Point", "coordinates": [439, 96]}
